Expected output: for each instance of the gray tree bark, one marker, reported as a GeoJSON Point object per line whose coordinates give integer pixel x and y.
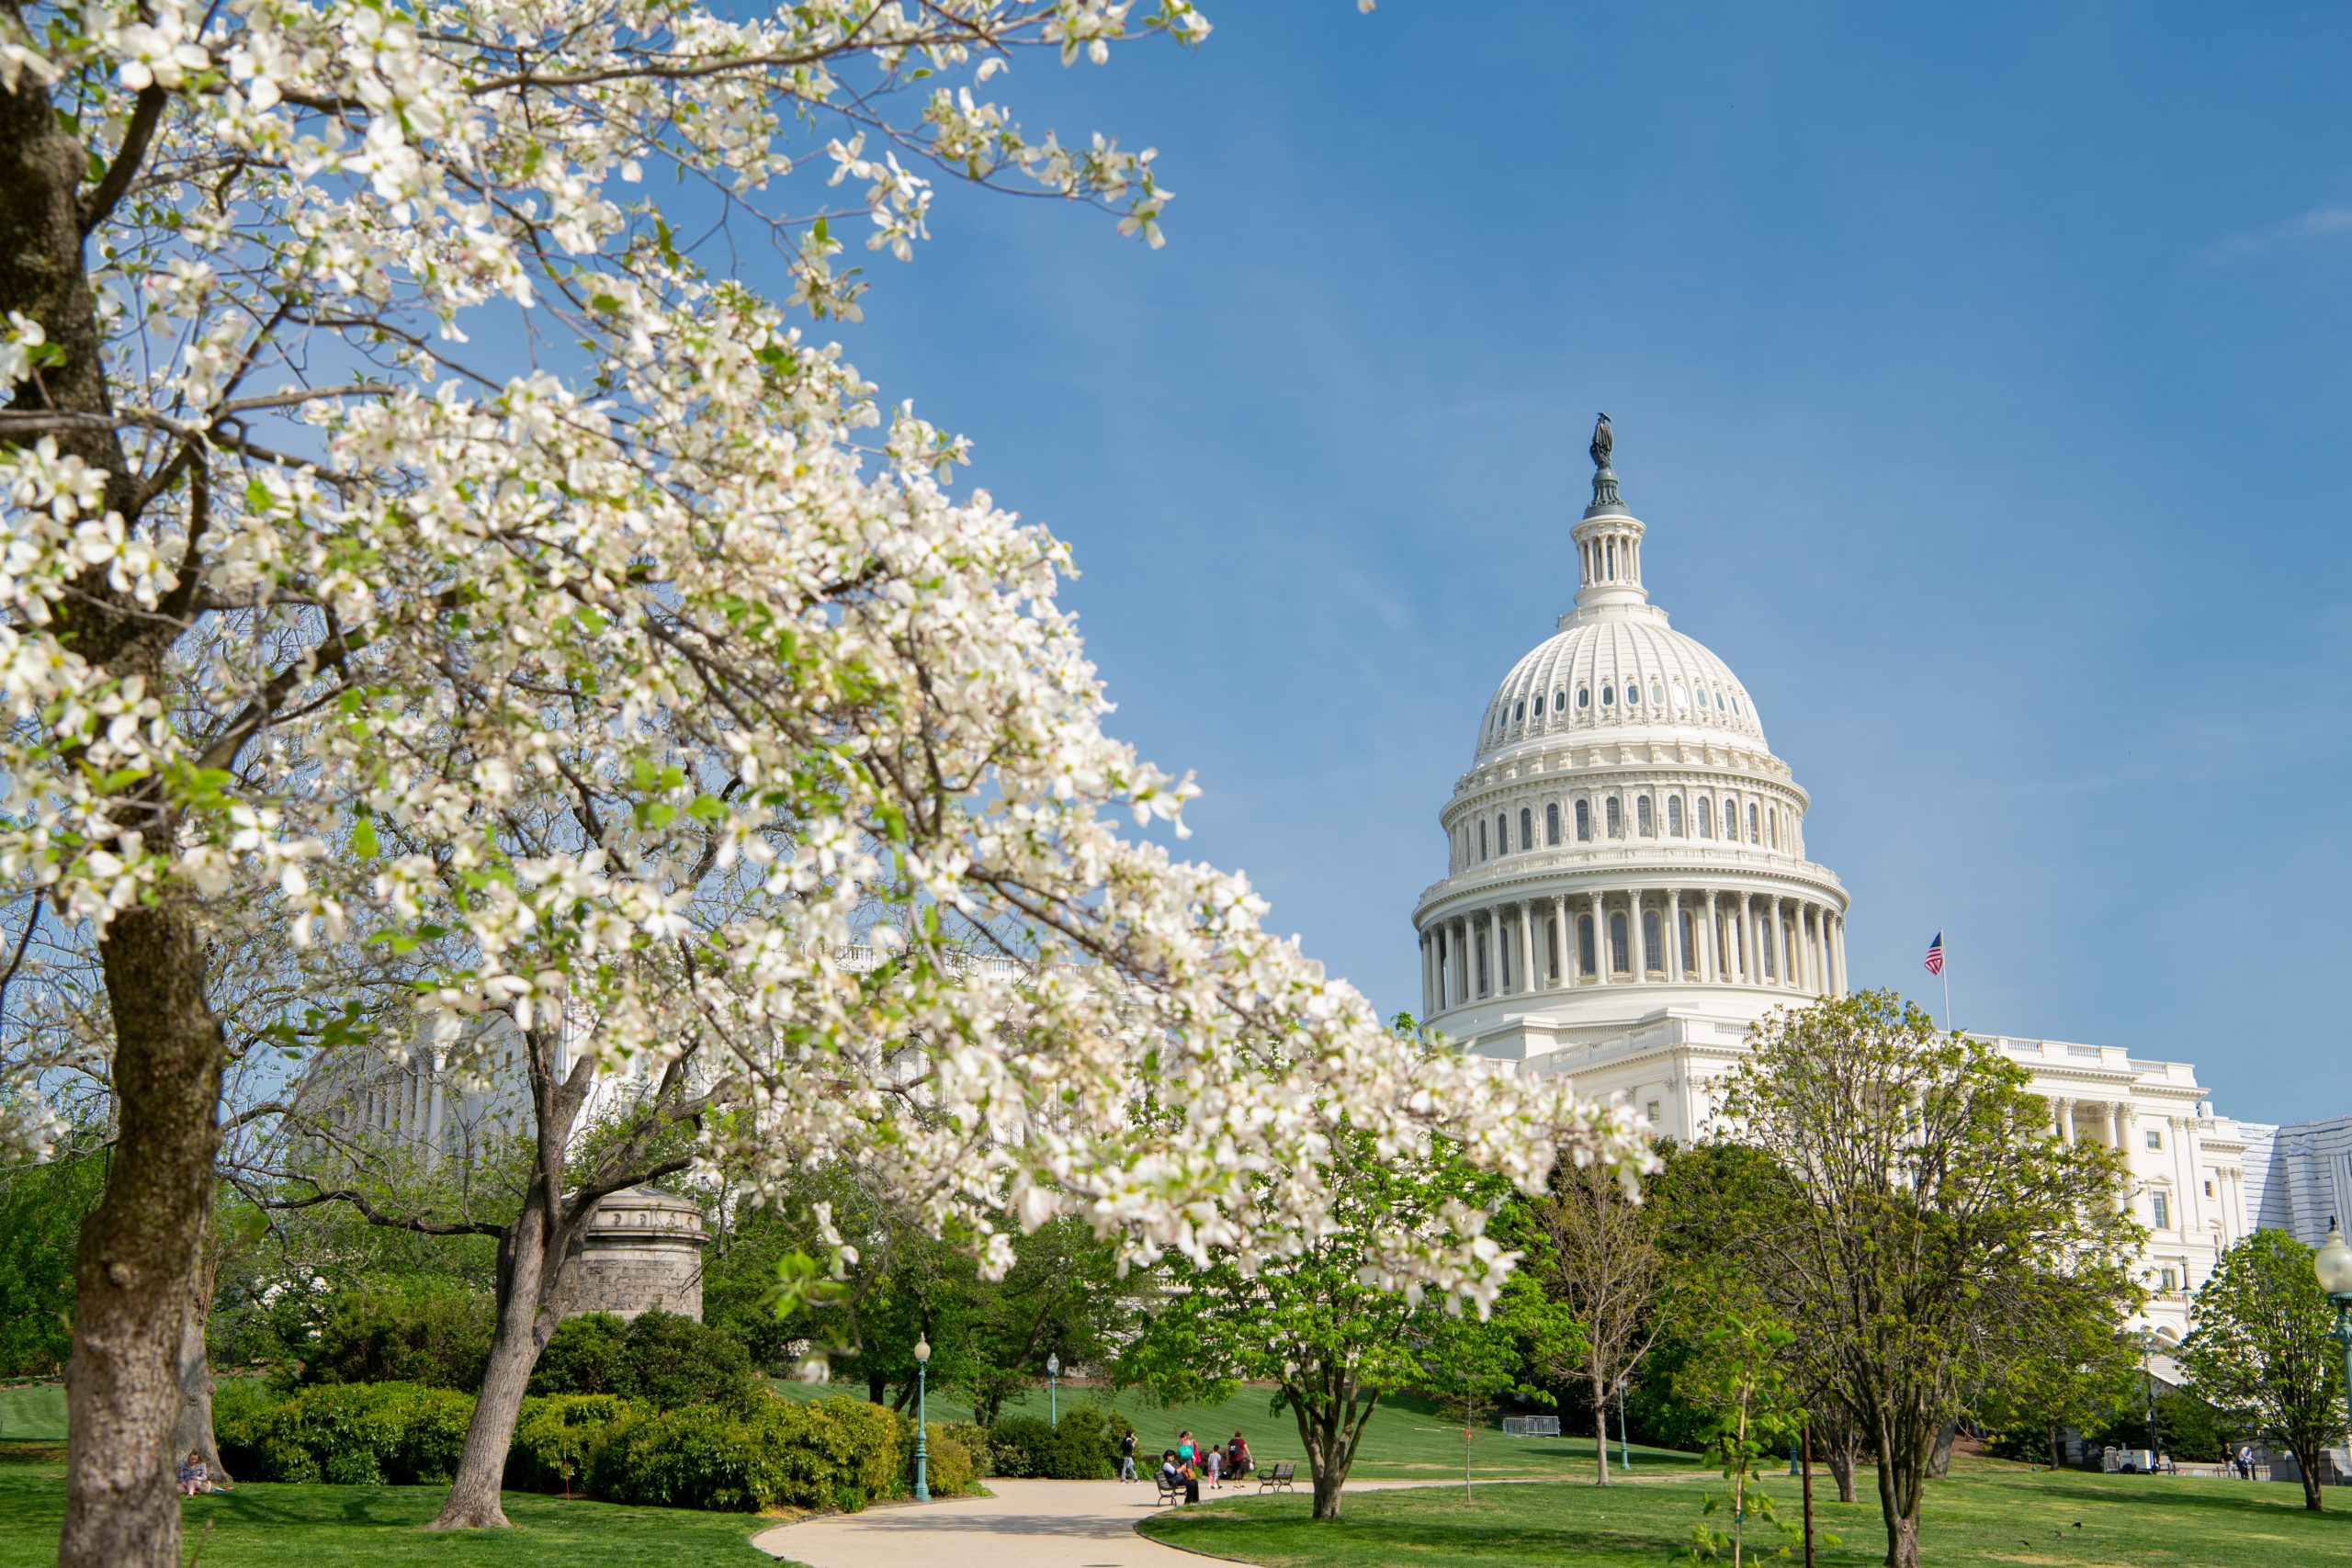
{"type": "Point", "coordinates": [192, 1432]}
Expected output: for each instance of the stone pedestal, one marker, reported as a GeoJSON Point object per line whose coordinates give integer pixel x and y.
{"type": "Point", "coordinates": [643, 1251]}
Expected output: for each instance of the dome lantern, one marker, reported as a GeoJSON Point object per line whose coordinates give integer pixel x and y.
{"type": "Point", "coordinates": [1609, 539]}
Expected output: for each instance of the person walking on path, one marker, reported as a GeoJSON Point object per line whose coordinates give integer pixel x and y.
{"type": "Point", "coordinates": [1128, 1456]}
{"type": "Point", "coordinates": [1209, 1458]}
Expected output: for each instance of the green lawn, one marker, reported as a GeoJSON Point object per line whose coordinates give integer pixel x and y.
{"type": "Point", "coordinates": [1406, 1439]}
{"type": "Point", "coordinates": [1986, 1514]}
{"type": "Point", "coordinates": [33, 1413]}
{"type": "Point", "coordinates": [349, 1527]}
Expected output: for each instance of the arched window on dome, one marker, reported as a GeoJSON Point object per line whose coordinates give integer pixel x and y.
{"type": "Point", "coordinates": [1706, 817]}
{"type": "Point", "coordinates": [1773, 820]}
{"type": "Point", "coordinates": [1482, 841]}
{"type": "Point", "coordinates": [1642, 819]}
{"type": "Point", "coordinates": [1482, 987]}
{"type": "Point", "coordinates": [1584, 822]}
{"type": "Point", "coordinates": [1538, 705]}
{"type": "Point", "coordinates": [1584, 697]}
{"type": "Point", "coordinates": [1519, 714]}
{"type": "Point", "coordinates": [1559, 699]}
{"type": "Point", "coordinates": [1755, 832]}
{"type": "Point", "coordinates": [1502, 834]}
{"type": "Point", "coordinates": [1657, 692]}
{"type": "Point", "coordinates": [1689, 950]}
{"type": "Point", "coordinates": [1586, 960]}
{"type": "Point", "coordinates": [1620, 962]}
{"type": "Point", "coordinates": [1608, 694]}
{"type": "Point", "coordinates": [1633, 693]}
{"type": "Point", "coordinates": [1552, 824]}
{"type": "Point", "coordinates": [1616, 818]}
{"type": "Point", "coordinates": [1767, 941]}
{"type": "Point", "coordinates": [1674, 815]}
{"type": "Point", "coordinates": [1731, 821]}
{"type": "Point", "coordinates": [1719, 702]}
{"type": "Point", "coordinates": [1653, 954]}
{"type": "Point", "coordinates": [1526, 829]}
{"type": "Point", "coordinates": [1681, 700]}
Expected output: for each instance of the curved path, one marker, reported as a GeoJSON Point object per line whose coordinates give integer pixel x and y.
{"type": "Point", "coordinates": [1028, 1524]}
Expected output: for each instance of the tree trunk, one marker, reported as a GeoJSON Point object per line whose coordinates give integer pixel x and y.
{"type": "Point", "coordinates": [1328, 1425]}
{"type": "Point", "coordinates": [1901, 1489]}
{"type": "Point", "coordinates": [2057, 1449]}
{"type": "Point", "coordinates": [140, 1248]}
{"type": "Point", "coordinates": [530, 1267]}
{"type": "Point", "coordinates": [1840, 1455]}
{"type": "Point", "coordinates": [1601, 1424]}
{"type": "Point", "coordinates": [193, 1430]}
{"type": "Point", "coordinates": [1940, 1458]}
{"type": "Point", "coordinates": [2308, 1464]}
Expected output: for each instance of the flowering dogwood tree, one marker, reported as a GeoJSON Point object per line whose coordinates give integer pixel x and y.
{"type": "Point", "coordinates": [410, 538]}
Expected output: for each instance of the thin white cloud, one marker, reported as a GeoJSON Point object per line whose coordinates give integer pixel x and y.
{"type": "Point", "coordinates": [2319, 221]}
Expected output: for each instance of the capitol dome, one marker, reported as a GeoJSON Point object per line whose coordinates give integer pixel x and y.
{"type": "Point", "coordinates": [1624, 845]}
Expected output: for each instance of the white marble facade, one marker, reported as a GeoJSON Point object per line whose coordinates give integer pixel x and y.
{"type": "Point", "coordinates": [1627, 892]}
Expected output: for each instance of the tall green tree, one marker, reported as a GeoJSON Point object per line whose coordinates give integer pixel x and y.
{"type": "Point", "coordinates": [2259, 1346]}
{"type": "Point", "coordinates": [1325, 1324]}
{"type": "Point", "coordinates": [1932, 1224]}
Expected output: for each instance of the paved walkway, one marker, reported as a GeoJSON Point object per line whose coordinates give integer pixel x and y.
{"type": "Point", "coordinates": [1028, 1524]}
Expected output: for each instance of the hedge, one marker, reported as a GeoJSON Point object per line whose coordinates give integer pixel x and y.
{"type": "Point", "coordinates": [662, 1358]}
{"type": "Point", "coordinates": [1082, 1447]}
{"type": "Point", "coordinates": [837, 1453]}
{"type": "Point", "coordinates": [348, 1433]}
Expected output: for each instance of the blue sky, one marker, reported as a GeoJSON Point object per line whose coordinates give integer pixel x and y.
{"type": "Point", "coordinates": [1983, 378]}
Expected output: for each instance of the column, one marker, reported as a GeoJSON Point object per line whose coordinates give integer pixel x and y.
{"type": "Point", "coordinates": [1637, 949]}
{"type": "Point", "coordinates": [1530, 979]}
{"type": "Point", "coordinates": [1710, 966]}
{"type": "Point", "coordinates": [2065, 1109]}
{"type": "Point", "coordinates": [1567, 939]}
{"type": "Point", "coordinates": [437, 1108]}
{"type": "Point", "coordinates": [1673, 933]}
{"type": "Point", "coordinates": [1845, 981]}
{"type": "Point", "coordinates": [1600, 941]}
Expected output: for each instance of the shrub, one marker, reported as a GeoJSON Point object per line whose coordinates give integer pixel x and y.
{"type": "Point", "coordinates": [348, 1433]}
{"type": "Point", "coordinates": [951, 1467]}
{"type": "Point", "coordinates": [667, 1360]}
{"type": "Point", "coordinates": [1017, 1445]}
{"type": "Point", "coordinates": [1081, 1447]}
{"type": "Point", "coordinates": [556, 1439]}
{"type": "Point", "coordinates": [431, 1333]}
{"type": "Point", "coordinates": [974, 1440]}
{"type": "Point", "coordinates": [831, 1453]}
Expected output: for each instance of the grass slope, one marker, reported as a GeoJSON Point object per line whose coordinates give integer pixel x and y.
{"type": "Point", "coordinates": [33, 1413]}
{"type": "Point", "coordinates": [347, 1527]}
{"type": "Point", "coordinates": [1984, 1514]}
{"type": "Point", "coordinates": [1406, 1439]}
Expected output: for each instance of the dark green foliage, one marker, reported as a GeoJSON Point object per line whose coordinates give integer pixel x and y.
{"type": "Point", "coordinates": [1082, 1447]}
{"type": "Point", "coordinates": [838, 1453]}
{"type": "Point", "coordinates": [661, 1358]}
{"type": "Point", "coordinates": [950, 1465]}
{"type": "Point", "coordinates": [346, 1434]}
{"type": "Point", "coordinates": [433, 1332]}
{"type": "Point", "coordinates": [556, 1435]}
{"type": "Point", "coordinates": [40, 1220]}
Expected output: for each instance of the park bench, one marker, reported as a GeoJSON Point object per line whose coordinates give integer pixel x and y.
{"type": "Point", "coordinates": [1279, 1477]}
{"type": "Point", "coordinates": [1169, 1496]}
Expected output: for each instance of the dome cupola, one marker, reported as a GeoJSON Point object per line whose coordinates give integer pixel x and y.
{"type": "Point", "coordinates": [1625, 839]}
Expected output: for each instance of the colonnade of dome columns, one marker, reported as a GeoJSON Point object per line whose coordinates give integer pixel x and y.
{"type": "Point", "coordinates": [1640, 936]}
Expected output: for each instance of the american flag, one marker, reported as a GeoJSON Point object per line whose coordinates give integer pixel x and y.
{"type": "Point", "coordinates": [1935, 955]}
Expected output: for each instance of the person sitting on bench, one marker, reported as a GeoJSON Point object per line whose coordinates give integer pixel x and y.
{"type": "Point", "coordinates": [1175, 1477]}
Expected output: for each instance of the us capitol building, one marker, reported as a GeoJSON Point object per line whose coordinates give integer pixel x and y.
{"type": "Point", "coordinates": [1627, 892]}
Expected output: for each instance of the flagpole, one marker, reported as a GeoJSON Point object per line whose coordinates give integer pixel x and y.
{"type": "Point", "coordinates": [1943, 972]}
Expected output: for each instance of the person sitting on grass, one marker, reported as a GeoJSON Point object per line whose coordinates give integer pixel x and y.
{"type": "Point", "coordinates": [194, 1477]}
{"type": "Point", "coordinates": [1177, 1476]}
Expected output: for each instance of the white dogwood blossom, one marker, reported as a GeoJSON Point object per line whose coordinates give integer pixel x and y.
{"type": "Point", "coordinates": [542, 608]}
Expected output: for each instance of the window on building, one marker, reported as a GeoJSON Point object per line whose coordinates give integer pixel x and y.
{"type": "Point", "coordinates": [1620, 961]}
{"type": "Point", "coordinates": [1584, 696]}
{"type": "Point", "coordinates": [1689, 947]}
{"type": "Point", "coordinates": [1502, 834]}
{"type": "Point", "coordinates": [1519, 713]}
{"type": "Point", "coordinates": [1674, 815]}
{"type": "Point", "coordinates": [1482, 964]}
{"type": "Point", "coordinates": [1526, 829]}
{"type": "Point", "coordinates": [1731, 821]}
{"type": "Point", "coordinates": [1642, 817]}
{"type": "Point", "coordinates": [2164, 1280]}
{"type": "Point", "coordinates": [1482, 841]}
{"type": "Point", "coordinates": [1616, 818]}
{"type": "Point", "coordinates": [1560, 699]}
{"type": "Point", "coordinates": [1755, 832]}
{"type": "Point", "coordinates": [1633, 693]}
{"type": "Point", "coordinates": [1584, 822]}
{"type": "Point", "coordinates": [1552, 947]}
{"type": "Point", "coordinates": [2160, 1210]}
{"type": "Point", "coordinates": [1768, 944]}
{"type": "Point", "coordinates": [2155, 1139]}
{"type": "Point", "coordinates": [1538, 705]}
{"type": "Point", "coordinates": [1650, 1110]}
{"type": "Point", "coordinates": [1653, 952]}
{"type": "Point", "coordinates": [1706, 817]}
{"type": "Point", "coordinates": [1586, 960]}
{"type": "Point", "coordinates": [2209, 1189]}
{"type": "Point", "coordinates": [1657, 692]}
{"type": "Point", "coordinates": [1608, 694]}
{"type": "Point", "coordinates": [1551, 823]}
